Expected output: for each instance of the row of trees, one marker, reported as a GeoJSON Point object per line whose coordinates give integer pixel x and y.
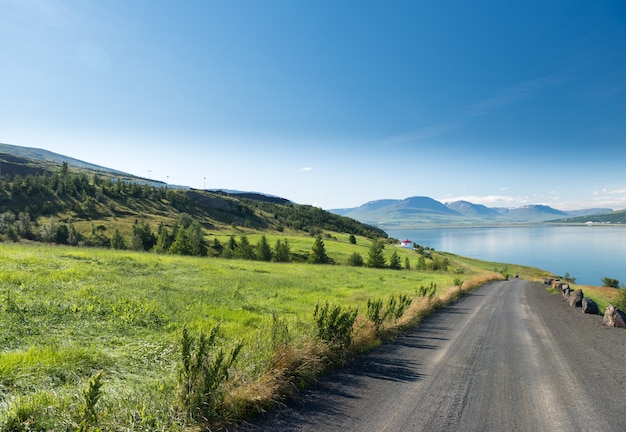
{"type": "Point", "coordinates": [90, 196]}
{"type": "Point", "coordinates": [47, 193]}
{"type": "Point", "coordinates": [376, 259]}
{"type": "Point", "coordinates": [186, 238]}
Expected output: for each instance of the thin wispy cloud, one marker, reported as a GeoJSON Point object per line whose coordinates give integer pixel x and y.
{"type": "Point", "coordinates": [507, 96]}
{"type": "Point", "coordinates": [423, 134]}
{"type": "Point", "coordinates": [305, 169]}
{"type": "Point", "coordinates": [512, 94]}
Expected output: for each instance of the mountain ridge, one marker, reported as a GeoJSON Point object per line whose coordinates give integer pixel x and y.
{"type": "Point", "coordinates": [419, 211]}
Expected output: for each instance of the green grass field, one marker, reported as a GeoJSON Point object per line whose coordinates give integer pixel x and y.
{"type": "Point", "coordinates": [67, 313]}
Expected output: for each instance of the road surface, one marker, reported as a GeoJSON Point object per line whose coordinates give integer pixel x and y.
{"type": "Point", "coordinates": [509, 357]}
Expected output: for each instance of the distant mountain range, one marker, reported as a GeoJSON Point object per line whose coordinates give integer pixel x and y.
{"type": "Point", "coordinates": [420, 211]}
{"type": "Point", "coordinates": [412, 212]}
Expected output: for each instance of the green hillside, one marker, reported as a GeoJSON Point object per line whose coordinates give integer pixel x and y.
{"type": "Point", "coordinates": [616, 217]}
{"type": "Point", "coordinates": [44, 201]}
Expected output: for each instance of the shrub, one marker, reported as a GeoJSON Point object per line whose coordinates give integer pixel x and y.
{"type": "Point", "coordinates": [375, 313]}
{"type": "Point", "coordinates": [399, 306]}
{"type": "Point", "coordinates": [609, 282]}
{"type": "Point", "coordinates": [335, 324]}
{"type": "Point", "coordinates": [355, 260]}
{"type": "Point", "coordinates": [204, 368]}
{"type": "Point", "coordinates": [428, 292]}
{"type": "Point", "coordinates": [394, 309]}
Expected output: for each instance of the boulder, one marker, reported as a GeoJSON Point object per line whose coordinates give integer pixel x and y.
{"type": "Point", "coordinates": [566, 294]}
{"type": "Point", "coordinates": [589, 306]}
{"type": "Point", "coordinates": [575, 298]}
{"type": "Point", "coordinates": [613, 317]}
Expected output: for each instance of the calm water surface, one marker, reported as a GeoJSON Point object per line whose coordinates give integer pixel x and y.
{"type": "Point", "coordinates": [587, 253]}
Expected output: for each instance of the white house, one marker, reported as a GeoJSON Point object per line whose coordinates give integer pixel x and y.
{"type": "Point", "coordinates": [406, 244]}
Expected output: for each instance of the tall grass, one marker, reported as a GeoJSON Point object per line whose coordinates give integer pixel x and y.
{"type": "Point", "coordinates": [67, 313]}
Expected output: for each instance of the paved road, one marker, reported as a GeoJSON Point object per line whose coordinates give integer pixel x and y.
{"type": "Point", "coordinates": [509, 357]}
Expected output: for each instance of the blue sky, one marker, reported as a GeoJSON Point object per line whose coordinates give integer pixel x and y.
{"type": "Point", "coordinates": [330, 103]}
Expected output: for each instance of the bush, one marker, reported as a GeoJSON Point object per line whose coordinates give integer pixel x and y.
{"type": "Point", "coordinates": [335, 324]}
{"type": "Point", "coordinates": [355, 260]}
{"type": "Point", "coordinates": [427, 291]}
{"type": "Point", "coordinates": [609, 282]}
{"type": "Point", "coordinates": [394, 310]}
{"type": "Point", "coordinates": [204, 368]}
{"type": "Point", "coordinates": [375, 313]}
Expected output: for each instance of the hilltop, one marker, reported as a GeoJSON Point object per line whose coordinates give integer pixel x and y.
{"type": "Point", "coordinates": [50, 197]}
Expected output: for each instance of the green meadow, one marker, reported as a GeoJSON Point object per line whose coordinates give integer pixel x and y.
{"type": "Point", "coordinates": [68, 313]}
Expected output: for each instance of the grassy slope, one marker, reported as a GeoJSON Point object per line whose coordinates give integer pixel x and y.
{"type": "Point", "coordinates": [68, 312]}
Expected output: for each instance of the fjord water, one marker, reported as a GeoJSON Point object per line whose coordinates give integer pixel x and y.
{"type": "Point", "coordinates": [587, 253]}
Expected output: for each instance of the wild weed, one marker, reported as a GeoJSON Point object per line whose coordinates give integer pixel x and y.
{"type": "Point", "coordinates": [394, 309]}
{"type": "Point", "coordinates": [428, 292]}
{"type": "Point", "coordinates": [335, 324]}
{"type": "Point", "coordinates": [204, 368]}
{"type": "Point", "coordinates": [375, 313]}
{"type": "Point", "coordinates": [91, 394]}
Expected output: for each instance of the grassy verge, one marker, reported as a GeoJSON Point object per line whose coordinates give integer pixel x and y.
{"type": "Point", "coordinates": [68, 313]}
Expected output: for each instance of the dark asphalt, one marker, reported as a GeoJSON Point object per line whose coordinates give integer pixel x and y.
{"type": "Point", "coordinates": [508, 357]}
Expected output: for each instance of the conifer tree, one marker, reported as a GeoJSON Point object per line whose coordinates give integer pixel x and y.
{"type": "Point", "coordinates": [263, 249]}
{"type": "Point", "coordinates": [318, 252]}
{"type": "Point", "coordinates": [394, 261]}
{"type": "Point", "coordinates": [117, 240]}
{"type": "Point", "coordinates": [282, 251]}
{"type": "Point", "coordinates": [375, 257]}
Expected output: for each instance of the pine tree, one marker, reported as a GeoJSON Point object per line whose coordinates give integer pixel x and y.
{"type": "Point", "coordinates": [318, 252]}
{"type": "Point", "coordinates": [181, 245]}
{"type": "Point", "coordinates": [263, 249]}
{"type": "Point", "coordinates": [197, 245]}
{"type": "Point", "coordinates": [375, 257]}
{"type": "Point", "coordinates": [164, 239]}
{"type": "Point", "coordinates": [282, 251]}
{"type": "Point", "coordinates": [245, 250]}
{"type": "Point", "coordinates": [117, 240]}
{"type": "Point", "coordinates": [394, 261]}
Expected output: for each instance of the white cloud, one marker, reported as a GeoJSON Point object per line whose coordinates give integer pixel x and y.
{"type": "Point", "coordinates": [305, 169]}
{"type": "Point", "coordinates": [611, 192]}
{"type": "Point", "coordinates": [491, 200]}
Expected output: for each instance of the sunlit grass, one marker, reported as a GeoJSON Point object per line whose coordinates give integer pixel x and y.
{"type": "Point", "coordinates": [66, 313]}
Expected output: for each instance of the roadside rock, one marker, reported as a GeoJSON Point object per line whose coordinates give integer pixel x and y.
{"type": "Point", "coordinates": [575, 298]}
{"type": "Point", "coordinates": [566, 293]}
{"type": "Point", "coordinates": [589, 306]}
{"type": "Point", "coordinates": [613, 317]}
